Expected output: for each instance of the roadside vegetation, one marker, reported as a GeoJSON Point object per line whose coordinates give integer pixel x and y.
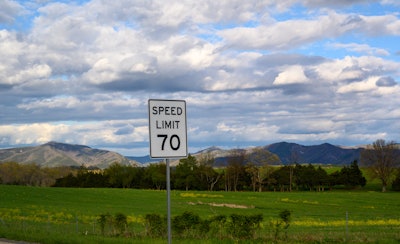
{"type": "Point", "coordinates": [106, 215]}
{"type": "Point", "coordinates": [248, 200]}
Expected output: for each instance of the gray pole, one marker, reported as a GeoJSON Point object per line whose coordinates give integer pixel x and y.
{"type": "Point", "coordinates": [168, 201]}
{"type": "Point", "coordinates": [347, 226]}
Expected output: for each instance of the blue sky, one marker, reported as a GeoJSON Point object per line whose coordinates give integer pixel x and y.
{"type": "Point", "coordinates": [252, 72]}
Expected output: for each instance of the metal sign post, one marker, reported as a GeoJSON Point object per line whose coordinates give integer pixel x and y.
{"type": "Point", "coordinates": [168, 138]}
{"type": "Point", "coordinates": [168, 201]}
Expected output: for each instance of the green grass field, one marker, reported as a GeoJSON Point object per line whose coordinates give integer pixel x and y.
{"type": "Point", "coordinates": [69, 215]}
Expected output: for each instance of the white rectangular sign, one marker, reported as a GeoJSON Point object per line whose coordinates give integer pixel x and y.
{"type": "Point", "coordinates": [167, 128]}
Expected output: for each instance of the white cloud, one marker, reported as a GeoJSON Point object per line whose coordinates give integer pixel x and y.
{"type": "Point", "coordinates": [96, 103]}
{"type": "Point", "coordinates": [381, 25]}
{"type": "Point", "coordinates": [239, 132]}
{"type": "Point", "coordinates": [291, 33]}
{"type": "Point", "coordinates": [61, 102]}
{"type": "Point", "coordinates": [30, 73]}
{"type": "Point", "coordinates": [361, 48]}
{"type": "Point", "coordinates": [337, 3]}
{"type": "Point", "coordinates": [31, 133]}
{"type": "Point", "coordinates": [351, 68]}
{"type": "Point", "coordinates": [291, 75]}
{"type": "Point", "coordinates": [9, 10]}
{"type": "Point", "coordinates": [87, 133]}
{"type": "Point", "coordinates": [391, 2]}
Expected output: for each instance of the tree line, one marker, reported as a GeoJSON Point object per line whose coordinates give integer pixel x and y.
{"type": "Point", "coordinates": [243, 172]}
{"type": "Point", "coordinates": [189, 174]}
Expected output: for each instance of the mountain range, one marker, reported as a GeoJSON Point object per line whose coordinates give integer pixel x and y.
{"type": "Point", "coordinates": [54, 154]}
{"type": "Point", "coordinates": [318, 154]}
{"type": "Point", "coordinates": [284, 152]}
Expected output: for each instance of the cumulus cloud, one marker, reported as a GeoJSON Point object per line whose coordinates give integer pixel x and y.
{"type": "Point", "coordinates": [361, 86]}
{"type": "Point", "coordinates": [291, 33]}
{"type": "Point", "coordinates": [90, 133]}
{"type": "Point", "coordinates": [291, 75]}
{"type": "Point", "coordinates": [9, 10]}
{"type": "Point", "coordinates": [386, 81]}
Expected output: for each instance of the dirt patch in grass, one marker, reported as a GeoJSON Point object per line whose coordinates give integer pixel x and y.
{"type": "Point", "coordinates": [227, 205]}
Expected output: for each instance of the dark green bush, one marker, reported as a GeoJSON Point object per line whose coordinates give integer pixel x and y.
{"type": "Point", "coordinates": [282, 224]}
{"type": "Point", "coordinates": [110, 225]}
{"type": "Point", "coordinates": [186, 223]}
{"type": "Point", "coordinates": [104, 220]}
{"type": "Point", "coordinates": [244, 227]}
{"type": "Point", "coordinates": [120, 223]}
{"type": "Point", "coordinates": [156, 226]}
{"type": "Point", "coordinates": [217, 225]}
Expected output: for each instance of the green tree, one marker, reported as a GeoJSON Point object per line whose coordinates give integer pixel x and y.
{"type": "Point", "coordinates": [351, 176]}
{"type": "Point", "coordinates": [207, 172]}
{"type": "Point", "coordinates": [115, 175]}
{"type": "Point", "coordinates": [258, 159]}
{"type": "Point", "coordinates": [382, 159]}
{"type": "Point", "coordinates": [186, 172]}
{"type": "Point", "coordinates": [120, 176]}
{"type": "Point", "coordinates": [10, 173]}
{"type": "Point", "coordinates": [281, 178]}
{"type": "Point", "coordinates": [235, 171]}
{"type": "Point", "coordinates": [309, 177]}
{"type": "Point", "coordinates": [396, 182]}
{"type": "Point", "coordinates": [322, 179]}
{"type": "Point", "coordinates": [255, 175]}
{"type": "Point", "coordinates": [55, 173]}
{"type": "Point", "coordinates": [266, 172]}
{"type": "Point", "coordinates": [67, 181]}
{"type": "Point", "coordinates": [137, 179]}
{"type": "Point", "coordinates": [25, 174]}
{"type": "Point", "coordinates": [155, 176]}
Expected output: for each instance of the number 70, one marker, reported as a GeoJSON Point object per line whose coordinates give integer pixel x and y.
{"type": "Point", "coordinates": [174, 141]}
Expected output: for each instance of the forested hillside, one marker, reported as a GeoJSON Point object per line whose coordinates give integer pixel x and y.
{"type": "Point", "coordinates": [318, 154]}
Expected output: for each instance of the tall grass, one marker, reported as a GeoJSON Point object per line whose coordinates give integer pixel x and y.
{"type": "Point", "coordinates": [68, 215]}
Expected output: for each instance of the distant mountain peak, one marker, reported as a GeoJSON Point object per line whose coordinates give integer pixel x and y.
{"type": "Point", "coordinates": [65, 146]}
{"type": "Point", "coordinates": [210, 149]}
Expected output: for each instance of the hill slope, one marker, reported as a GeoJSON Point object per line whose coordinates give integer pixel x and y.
{"type": "Point", "coordinates": [317, 154]}
{"type": "Point", "coordinates": [53, 154]}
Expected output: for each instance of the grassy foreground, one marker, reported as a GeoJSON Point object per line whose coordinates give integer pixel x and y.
{"type": "Point", "coordinates": [69, 215]}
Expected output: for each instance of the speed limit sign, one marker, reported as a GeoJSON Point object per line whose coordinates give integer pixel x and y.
{"type": "Point", "coordinates": [167, 127]}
